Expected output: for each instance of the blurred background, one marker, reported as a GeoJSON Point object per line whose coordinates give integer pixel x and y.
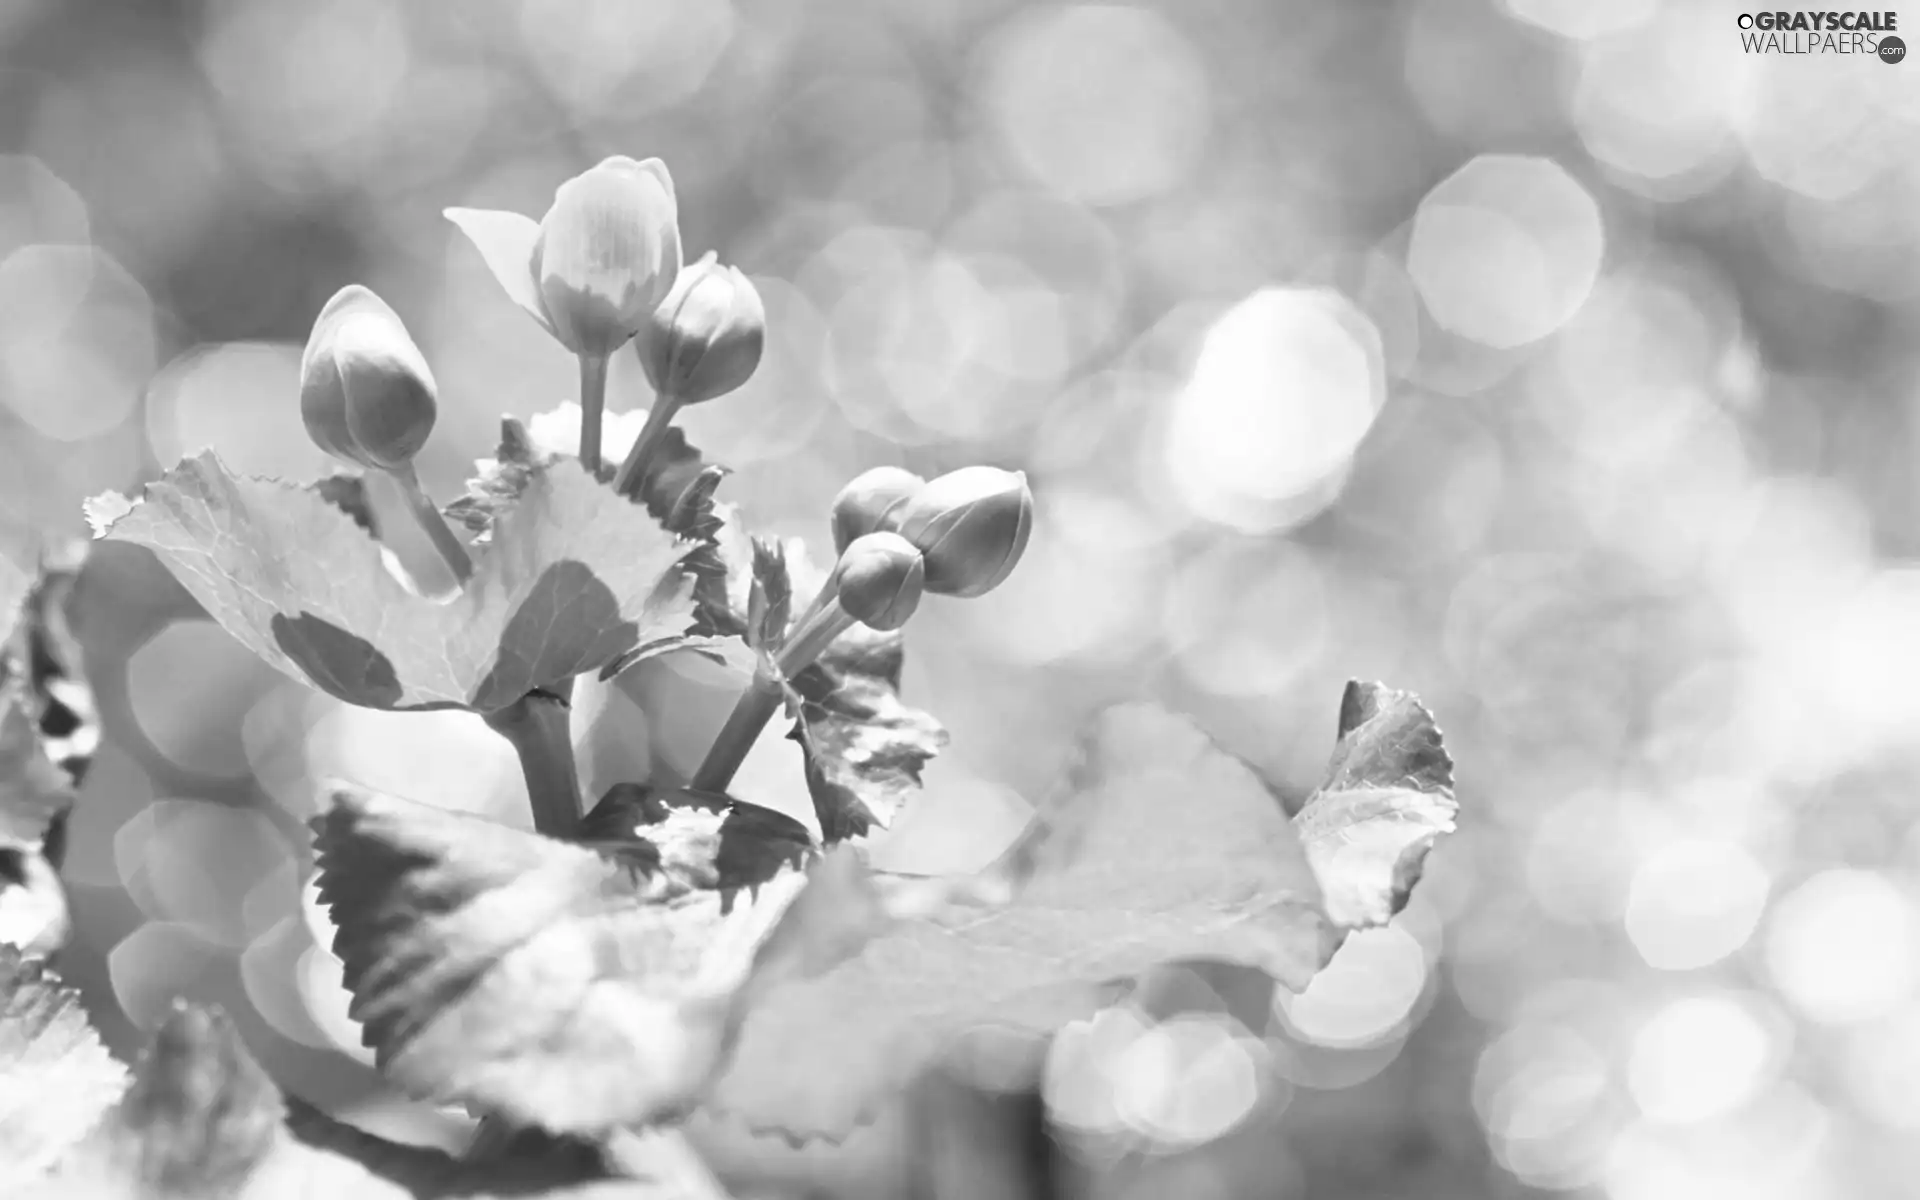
{"type": "Point", "coordinates": [1553, 359]}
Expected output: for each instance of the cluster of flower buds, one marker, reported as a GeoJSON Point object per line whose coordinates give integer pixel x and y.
{"type": "Point", "coordinates": [970, 525]}
{"type": "Point", "coordinates": [900, 537]}
{"type": "Point", "coordinates": [367, 397]}
{"type": "Point", "coordinates": [603, 268]}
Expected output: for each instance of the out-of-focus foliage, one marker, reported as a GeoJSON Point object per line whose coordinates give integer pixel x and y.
{"type": "Point", "coordinates": [1552, 359]}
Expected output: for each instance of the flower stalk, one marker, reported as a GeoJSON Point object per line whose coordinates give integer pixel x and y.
{"type": "Point", "coordinates": [593, 407]}
{"type": "Point", "coordinates": [426, 514]}
{"type": "Point", "coordinates": [750, 715]}
{"type": "Point", "coordinates": [536, 726]}
{"type": "Point", "coordinates": [877, 582]}
{"type": "Point", "coordinates": [632, 475]}
{"type": "Point", "coordinates": [703, 341]}
{"type": "Point", "coordinates": [824, 622]}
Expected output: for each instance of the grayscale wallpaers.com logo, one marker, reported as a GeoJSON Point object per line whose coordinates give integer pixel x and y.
{"type": "Point", "coordinates": [1860, 33]}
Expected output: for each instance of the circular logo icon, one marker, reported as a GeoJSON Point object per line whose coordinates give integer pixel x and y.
{"type": "Point", "coordinates": [1892, 49]}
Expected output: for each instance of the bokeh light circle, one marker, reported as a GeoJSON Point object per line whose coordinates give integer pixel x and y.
{"type": "Point", "coordinates": [1844, 946]}
{"type": "Point", "coordinates": [76, 340]}
{"type": "Point", "coordinates": [1506, 249]}
{"type": "Point", "coordinates": [1364, 995]}
{"type": "Point", "coordinates": [1105, 104]}
{"type": "Point", "coordinates": [191, 686]}
{"type": "Point", "coordinates": [1692, 902]}
{"type": "Point", "coordinates": [1702, 1056]}
{"type": "Point", "coordinates": [242, 398]}
{"type": "Point", "coordinates": [1286, 384]}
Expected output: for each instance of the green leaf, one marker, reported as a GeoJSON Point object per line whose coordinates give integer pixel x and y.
{"type": "Point", "coordinates": [574, 578]}
{"type": "Point", "coordinates": [1387, 798]}
{"type": "Point", "coordinates": [677, 491]}
{"type": "Point", "coordinates": [864, 749]}
{"type": "Point", "coordinates": [1160, 846]}
{"type": "Point", "coordinates": [527, 447]}
{"type": "Point", "coordinates": [56, 1079]}
{"type": "Point", "coordinates": [555, 985]}
{"type": "Point", "coordinates": [770, 598]}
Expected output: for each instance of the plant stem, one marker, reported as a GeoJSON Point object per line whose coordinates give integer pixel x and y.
{"type": "Point", "coordinates": [750, 715]}
{"type": "Point", "coordinates": [829, 593]}
{"type": "Point", "coordinates": [536, 724]}
{"type": "Point", "coordinates": [451, 549]}
{"type": "Point", "coordinates": [825, 621]}
{"type": "Point", "coordinates": [633, 472]}
{"type": "Point", "coordinates": [764, 694]}
{"type": "Point", "coordinates": [593, 407]}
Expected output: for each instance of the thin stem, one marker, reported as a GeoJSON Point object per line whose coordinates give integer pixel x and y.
{"type": "Point", "coordinates": [593, 406]}
{"type": "Point", "coordinates": [812, 637]}
{"type": "Point", "coordinates": [450, 548]}
{"type": "Point", "coordinates": [828, 594]}
{"type": "Point", "coordinates": [633, 472]}
{"type": "Point", "coordinates": [750, 715]}
{"type": "Point", "coordinates": [536, 725]}
{"type": "Point", "coordinates": [763, 697]}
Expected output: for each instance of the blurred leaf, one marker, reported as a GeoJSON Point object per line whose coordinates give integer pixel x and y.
{"type": "Point", "coordinates": [60, 698]}
{"type": "Point", "coordinates": [49, 730]}
{"type": "Point", "coordinates": [33, 792]}
{"type": "Point", "coordinates": [199, 1117]}
{"type": "Point", "coordinates": [1160, 846]}
{"type": "Point", "coordinates": [17, 549]}
{"type": "Point", "coordinates": [49, 723]}
{"type": "Point", "coordinates": [33, 902]}
{"type": "Point", "coordinates": [552, 984]}
{"type": "Point", "coordinates": [200, 1120]}
{"type": "Point", "coordinates": [1387, 798]}
{"type": "Point", "coordinates": [56, 1079]}
{"type": "Point", "coordinates": [576, 578]}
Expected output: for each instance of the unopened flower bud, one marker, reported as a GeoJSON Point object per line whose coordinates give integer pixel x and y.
{"type": "Point", "coordinates": [366, 394]}
{"type": "Point", "coordinates": [608, 253]}
{"type": "Point", "coordinates": [862, 506]}
{"type": "Point", "coordinates": [971, 525]}
{"type": "Point", "coordinates": [879, 579]}
{"type": "Point", "coordinates": [706, 339]}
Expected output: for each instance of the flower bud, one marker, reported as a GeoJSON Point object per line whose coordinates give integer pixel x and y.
{"type": "Point", "coordinates": [366, 394]}
{"type": "Point", "coordinates": [608, 253]}
{"type": "Point", "coordinates": [706, 339]}
{"type": "Point", "coordinates": [862, 506]}
{"type": "Point", "coordinates": [971, 525]}
{"type": "Point", "coordinates": [879, 579]}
